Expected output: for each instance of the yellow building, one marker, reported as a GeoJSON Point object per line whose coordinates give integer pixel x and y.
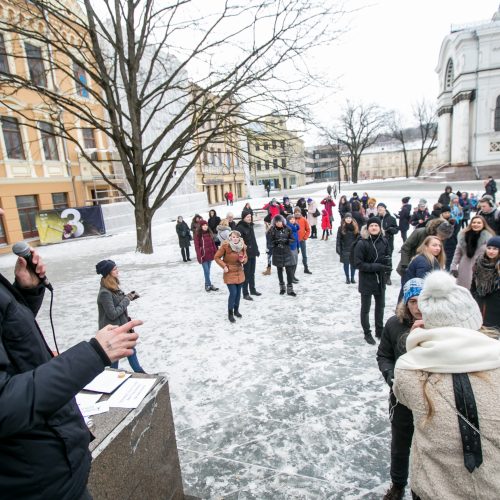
{"type": "Point", "coordinates": [276, 155]}
{"type": "Point", "coordinates": [39, 170]}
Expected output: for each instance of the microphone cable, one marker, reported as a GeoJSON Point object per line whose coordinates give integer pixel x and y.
{"type": "Point", "coordinates": [51, 319]}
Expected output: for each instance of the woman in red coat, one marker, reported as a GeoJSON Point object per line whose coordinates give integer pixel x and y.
{"type": "Point", "coordinates": [205, 251]}
{"type": "Point", "coordinates": [326, 225]}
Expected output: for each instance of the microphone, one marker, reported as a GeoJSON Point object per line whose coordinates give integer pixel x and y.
{"type": "Point", "coordinates": [22, 249]}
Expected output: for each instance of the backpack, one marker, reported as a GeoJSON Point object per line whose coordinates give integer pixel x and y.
{"type": "Point", "coordinates": [352, 251]}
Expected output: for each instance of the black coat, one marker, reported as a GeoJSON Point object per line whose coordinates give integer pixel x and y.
{"type": "Point", "coordinates": [43, 438]}
{"type": "Point", "coordinates": [372, 258]}
{"type": "Point", "coordinates": [450, 244]}
{"type": "Point", "coordinates": [390, 227]}
{"type": "Point", "coordinates": [183, 233]}
{"type": "Point", "coordinates": [344, 208]}
{"type": "Point", "coordinates": [213, 222]}
{"type": "Point", "coordinates": [344, 243]}
{"type": "Point", "coordinates": [248, 235]}
{"type": "Point", "coordinates": [419, 215]}
{"type": "Point", "coordinates": [493, 219]}
{"type": "Point", "coordinates": [404, 217]}
{"type": "Point", "coordinates": [444, 198]}
{"type": "Point", "coordinates": [280, 240]}
{"type": "Point", "coordinates": [358, 217]}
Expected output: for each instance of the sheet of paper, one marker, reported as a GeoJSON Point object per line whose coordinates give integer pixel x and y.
{"type": "Point", "coordinates": [107, 381]}
{"type": "Point", "coordinates": [88, 411]}
{"type": "Point", "coordinates": [87, 399]}
{"type": "Point", "coordinates": [131, 393]}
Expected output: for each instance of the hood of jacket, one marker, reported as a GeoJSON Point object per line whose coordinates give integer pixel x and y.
{"type": "Point", "coordinates": [365, 234]}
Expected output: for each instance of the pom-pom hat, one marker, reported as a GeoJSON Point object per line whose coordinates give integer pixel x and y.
{"type": "Point", "coordinates": [444, 303]}
{"type": "Point", "coordinates": [104, 267]}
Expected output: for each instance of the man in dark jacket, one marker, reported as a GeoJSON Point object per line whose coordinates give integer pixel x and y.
{"type": "Point", "coordinates": [43, 437]}
{"type": "Point", "coordinates": [373, 260]}
{"type": "Point", "coordinates": [245, 227]}
{"type": "Point", "coordinates": [488, 210]}
{"type": "Point", "coordinates": [444, 198]}
{"type": "Point", "coordinates": [392, 346]}
{"type": "Point", "coordinates": [491, 187]}
{"type": "Point", "coordinates": [404, 217]}
{"type": "Point", "coordinates": [390, 227]}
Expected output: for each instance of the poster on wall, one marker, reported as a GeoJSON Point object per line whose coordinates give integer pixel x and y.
{"type": "Point", "coordinates": [66, 224]}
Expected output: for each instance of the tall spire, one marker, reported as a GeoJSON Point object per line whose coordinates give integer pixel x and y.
{"type": "Point", "coordinates": [496, 15]}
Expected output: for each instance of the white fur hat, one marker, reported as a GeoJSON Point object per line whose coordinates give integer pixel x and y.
{"type": "Point", "coordinates": [444, 303]}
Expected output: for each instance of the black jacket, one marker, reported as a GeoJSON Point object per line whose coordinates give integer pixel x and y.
{"type": "Point", "coordinates": [372, 258]}
{"type": "Point", "coordinates": [213, 222]}
{"type": "Point", "coordinates": [280, 240]}
{"type": "Point", "coordinates": [248, 235]}
{"type": "Point", "coordinates": [344, 244]}
{"type": "Point", "coordinates": [43, 438]}
{"type": "Point", "coordinates": [419, 215]}
{"type": "Point", "coordinates": [390, 227]}
{"type": "Point", "coordinates": [493, 219]}
{"type": "Point", "coordinates": [184, 234]}
{"type": "Point", "coordinates": [404, 217]}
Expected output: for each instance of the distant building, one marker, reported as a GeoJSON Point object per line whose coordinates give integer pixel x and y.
{"type": "Point", "coordinates": [469, 96]}
{"type": "Point", "coordinates": [276, 155]}
{"type": "Point", "coordinates": [322, 164]}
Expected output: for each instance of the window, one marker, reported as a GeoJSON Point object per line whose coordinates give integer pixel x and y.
{"type": "Point", "coordinates": [219, 156]}
{"type": "Point", "coordinates": [12, 138]}
{"type": "Point", "coordinates": [3, 237]}
{"type": "Point", "coordinates": [89, 141]}
{"type": "Point", "coordinates": [449, 77]}
{"type": "Point", "coordinates": [257, 146]}
{"type": "Point", "coordinates": [4, 62]}
{"type": "Point", "coordinates": [35, 65]}
{"type": "Point", "coordinates": [497, 115]}
{"type": "Point", "coordinates": [266, 146]}
{"type": "Point", "coordinates": [205, 157]}
{"type": "Point", "coordinates": [267, 164]}
{"type": "Point", "coordinates": [259, 165]}
{"type": "Point", "coordinates": [212, 156]}
{"type": "Point", "coordinates": [48, 141]}
{"type": "Point", "coordinates": [273, 144]}
{"type": "Point", "coordinates": [27, 206]}
{"type": "Point", "coordinates": [228, 159]}
{"type": "Point", "coordinates": [80, 80]}
{"type": "Point", "coordinates": [282, 144]}
{"type": "Point", "coordinates": [60, 200]}
{"type": "Point", "coordinates": [283, 162]}
{"type": "Point", "coordinates": [275, 163]}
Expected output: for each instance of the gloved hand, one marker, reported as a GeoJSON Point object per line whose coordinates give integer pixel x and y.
{"type": "Point", "coordinates": [387, 268]}
{"type": "Point", "coordinates": [389, 377]}
{"type": "Point", "coordinates": [454, 273]}
{"type": "Point", "coordinates": [132, 295]}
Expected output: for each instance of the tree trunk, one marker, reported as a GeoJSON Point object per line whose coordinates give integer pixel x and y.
{"type": "Point", "coordinates": [143, 224]}
{"type": "Point", "coordinates": [355, 168]}
{"type": "Point", "coordinates": [419, 168]}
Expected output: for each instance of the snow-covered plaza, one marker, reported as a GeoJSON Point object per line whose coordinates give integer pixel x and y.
{"type": "Point", "coordinates": [288, 402]}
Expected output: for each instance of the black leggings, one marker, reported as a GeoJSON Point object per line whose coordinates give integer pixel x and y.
{"type": "Point", "coordinates": [185, 253]}
{"type": "Point", "coordinates": [289, 275]}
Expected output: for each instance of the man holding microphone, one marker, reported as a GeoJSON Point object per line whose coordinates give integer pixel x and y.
{"type": "Point", "coordinates": [43, 437]}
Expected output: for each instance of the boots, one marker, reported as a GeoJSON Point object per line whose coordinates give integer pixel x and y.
{"type": "Point", "coordinates": [213, 288]}
{"type": "Point", "coordinates": [230, 316]}
{"type": "Point", "coordinates": [326, 237]}
{"type": "Point", "coordinates": [322, 237]}
{"type": "Point", "coordinates": [369, 339]}
{"type": "Point", "coordinates": [295, 280]}
{"type": "Point", "coordinates": [289, 291]}
{"type": "Point", "coordinates": [394, 493]}
{"type": "Point", "coordinates": [253, 291]}
{"type": "Point", "coordinates": [237, 313]}
{"type": "Point", "coordinates": [282, 289]}
{"type": "Point", "coordinates": [267, 272]}
{"type": "Point", "coordinates": [306, 270]}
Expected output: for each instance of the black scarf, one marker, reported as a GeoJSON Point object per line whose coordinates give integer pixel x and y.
{"type": "Point", "coordinates": [471, 240]}
{"type": "Point", "coordinates": [466, 406]}
{"type": "Point", "coordinates": [486, 276]}
{"type": "Point", "coordinates": [348, 227]}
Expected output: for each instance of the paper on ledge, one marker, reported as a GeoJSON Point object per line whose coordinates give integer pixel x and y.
{"type": "Point", "coordinates": [131, 393]}
{"type": "Point", "coordinates": [107, 381]}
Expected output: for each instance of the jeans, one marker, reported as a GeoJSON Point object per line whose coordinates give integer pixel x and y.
{"type": "Point", "coordinates": [206, 271]}
{"type": "Point", "coordinates": [401, 435]}
{"type": "Point", "coordinates": [303, 249]}
{"type": "Point", "coordinates": [366, 302]}
{"type": "Point", "coordinates": [249, 269]}
{"type": "Point", "coordinates": [185, 253]}
{"type": "Point", "coordinates": [133, 362]}
{"type": "Point", "coordinates": [234, 296]}
{"type": "Point", "coordinates": [289, 275]}
{"type": "Point", "coordinates": [347, 265]}
{"type": "Point", "coordinates": [404, 234]}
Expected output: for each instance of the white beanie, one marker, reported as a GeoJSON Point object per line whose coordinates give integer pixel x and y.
{"type": "Point", "coordinates": [444, 303]}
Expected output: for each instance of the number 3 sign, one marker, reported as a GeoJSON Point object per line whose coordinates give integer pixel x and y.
{"type": "Point", "coordinates": [75, 221]}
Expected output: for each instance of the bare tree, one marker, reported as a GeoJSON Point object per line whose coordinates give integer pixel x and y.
{"type": "Point", "coordinates": [397, 131]}
{"type": "Point", "coordinates": [359, 127]}
{"type": "Point", "coordinates": [172, 75]}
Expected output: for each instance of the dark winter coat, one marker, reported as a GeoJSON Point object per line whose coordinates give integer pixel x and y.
{"type": "Point", "coordinates": [493, 219]}
{"type": "Point", "coordinates": [372, 258]}
{"type": "Point", "coordinates": [419, 215]}
{"type": "Point", "coordinates": [488, 303]}
{"type": "Point", "coordinates": [419, 267]}
{"type": "Point", "coordinates": [248, 234]}
{"type": "Point", "coordinates": [205, 246]}
{"type": "Point", "coordinates": [43, 438]}
{"type": "Point", "coordinates": [213, 222]}
{"type": "Point", "coordinates": [344, 243]}
{"type": "Point", "coordinates": [281, 239]}
{"type": "Point", "coordinates": [450, 244]}
{"type": "Point", "coordinates": [444, 198]}
{"type": "Point", "coordinates": [491, 187]}
{"type": "Point", "coordinates": [466, 208]}
{"type": "Point", "coordinates": [390, 227]}
{"type": "Point", "coordinates": [183, 234]}
{"type": "Point", "coordinates": [404, 217]}
{"type": "Point", "coordinates": [112, 307]}
{"type": "Point", "coordinates": [358, 217]}
{"type": "Point", "coordinates": [302, 204]}
{"type": "Point", "coordinates": [286, 209]}
{"type": "Point", "coordinates": [344, 208]}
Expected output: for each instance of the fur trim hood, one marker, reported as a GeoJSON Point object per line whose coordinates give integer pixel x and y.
{"type": "Point", "coordinates": [365, 234]}
{"type": "Point", "coordinates": [483, 239]}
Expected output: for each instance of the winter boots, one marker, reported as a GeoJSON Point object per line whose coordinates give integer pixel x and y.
{"type": "Point", "coordinates": [369, 339]}
{"type": "Point", "coordinates": [282, 289]}
{"type": "Point", "coordinates": [253, 291]}
{"type": "Point", "coordinates": [289, 291]}
{"type": "Point", "coordinates": [347, 281]}
{"type": "Point", "coordinates": [211, 288]}
{"type": "Point", "coordinates": [267, 272]}
{"type": "Point", "coordinates": [230, 316]}
{"type": "Point", "coordinates": [306, 270]}
{"type": "Point", "coordinates": [394, 493]}
{"type": "Point", "coordinates": [237, 313]}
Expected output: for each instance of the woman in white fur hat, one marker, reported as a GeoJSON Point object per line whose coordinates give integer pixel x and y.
{"type": "Point", "coordinates": [450, 379]}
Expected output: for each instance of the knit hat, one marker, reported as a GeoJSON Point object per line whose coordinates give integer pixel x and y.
{"type": "Point", "coordinates": [445, 229]}
{"type": "Point", "coordinates": [347, 214]}
{"type": "Point", "coordinates": [445, 208]}
{"type": "Point", "coordinates": [443, 303]}
{"type": "Point", "coordinates": [297, 210]}
{"type": "Point", "coordinates": [422, 201]}
{"type": "Point", "coordinates": [203, 222]}
{"type": "Point", "coordinates": [278, 218]}
{"type": "Point", "coordinates": [245, 212]}
{"type": "Point", "coordinates": [290, 217]}
{"type": "Point", "coordinates": [285, 198]}
{"type": "Point", "coordinates": [494, 242]}
{"type": "Point", "coordinates": [382, 205]}
{"type": "Point", "coordinates": [373, 220]}
{"type": "Point", "coordinates": [406, 199]}
{"type": "Point", "coordinates": [104, 267]}
{"type": "Point", "coordinates": [412, 288]}
{"type": "Point", "coordinates": [309, 200]}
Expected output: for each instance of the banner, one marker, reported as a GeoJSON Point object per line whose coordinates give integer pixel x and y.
{"type": "Point", "coordinates": [65, 224]}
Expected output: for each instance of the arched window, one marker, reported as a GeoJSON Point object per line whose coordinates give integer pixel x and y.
{"type": "Point", "coordinates": [448, 82]}
{"type": "Point", "coordinates": [497, 115]}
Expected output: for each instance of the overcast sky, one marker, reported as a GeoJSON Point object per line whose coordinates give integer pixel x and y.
{"type": "Point", "coordinates": [390, 52]}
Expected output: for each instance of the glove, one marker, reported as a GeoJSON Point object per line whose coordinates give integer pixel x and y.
{"type": "Point", "coordinates": [132, 295]}
{"type": "Point", "coordinates": [387, 269]}
{"type": "Point", "coordinates": [389, 377]}
{"type": "Point", "coordinates": [454, 273]}
{"type": "Point", "coordinates": [377, 267]}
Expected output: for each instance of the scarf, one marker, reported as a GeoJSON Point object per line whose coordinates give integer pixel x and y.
{"type": "Point", "coordinates": [486, 276]}
{"type": "Point", "coordinates": [471, 242]}
{"type": "Point", "coordinates": [348, 227]}
{"type": "Point", "coordinates": [236, 247]}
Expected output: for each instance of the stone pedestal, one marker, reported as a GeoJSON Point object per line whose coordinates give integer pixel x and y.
{"type": "Point", "coordinates": [134, 455]}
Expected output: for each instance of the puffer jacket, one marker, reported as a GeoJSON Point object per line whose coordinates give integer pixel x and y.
{"type": "Point", "coordinates": [226, 256]}
{"type": "Point", "coordinates": [183, 234]}
{"type": "Point", "coordinates": [281, 239]}
{"type": "Point", "coordinates": [205, 247]}
{"type": "Point", "coordinates": [344, 244]}
{"type": "Point", "coordinates": [43, 437]}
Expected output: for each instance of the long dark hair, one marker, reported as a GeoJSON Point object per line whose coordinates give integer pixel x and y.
{"type": "Point", "coordinates": [343, 225]}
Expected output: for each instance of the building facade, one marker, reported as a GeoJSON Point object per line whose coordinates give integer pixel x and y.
{"type": "Point", "coordinates": [38, 169]}
{"type": "Point", "coordinates": [276, 155]}
{"type": "Point", "coordinates": [322, 164]}
{"type": "Point", "coordinates": [469, 99]}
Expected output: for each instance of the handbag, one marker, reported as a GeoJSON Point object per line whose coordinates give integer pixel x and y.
{"type": "Point", "coordinates": [316, 214]}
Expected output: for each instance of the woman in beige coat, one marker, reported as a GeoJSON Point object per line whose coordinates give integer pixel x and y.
{"type": "Point", "coordinates": [231, 256]}
{"type": "Point", "coordinates": [450, 379]}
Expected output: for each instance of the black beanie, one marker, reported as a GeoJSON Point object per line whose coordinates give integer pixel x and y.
{"type": "Point", "coordinates": [373, 220]}
{"type": "Point", "coordinates": [104, 267]}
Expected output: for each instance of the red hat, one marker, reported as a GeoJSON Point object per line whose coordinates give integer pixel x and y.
{"type": "Point", "coordinates": [203, 223]}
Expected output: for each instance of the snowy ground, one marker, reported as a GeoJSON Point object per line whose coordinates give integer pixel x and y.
{"type": "Point", "coordinates": [287, 403]}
